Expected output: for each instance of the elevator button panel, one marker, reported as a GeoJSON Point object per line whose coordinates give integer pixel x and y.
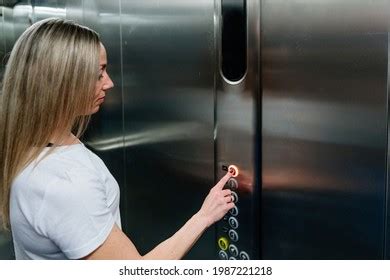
{"type": "Point", "coordinates": [230, 227]}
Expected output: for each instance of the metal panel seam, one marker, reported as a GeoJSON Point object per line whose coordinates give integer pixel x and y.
{"type": "Point", "coordinates": [386, 214]}
{"type": "Point", "coordinates": [123, 105]}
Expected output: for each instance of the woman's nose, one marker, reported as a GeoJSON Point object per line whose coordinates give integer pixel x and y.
{"type": "Point", "coordinates": [108, 84]}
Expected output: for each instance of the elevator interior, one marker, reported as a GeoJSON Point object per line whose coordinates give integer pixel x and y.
{"type": "Point", "coordinates": [292, 92]}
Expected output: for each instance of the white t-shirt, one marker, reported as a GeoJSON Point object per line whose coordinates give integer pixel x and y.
{"type": "Point", "coordinates": [64, 207]}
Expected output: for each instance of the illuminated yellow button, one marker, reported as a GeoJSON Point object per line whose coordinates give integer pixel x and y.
{"type": "Point", "coordinates": [223, 243]}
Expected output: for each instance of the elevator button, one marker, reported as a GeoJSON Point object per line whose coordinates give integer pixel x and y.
{"type": "Point", "coordinates": [233, 235]}
{"type": "Point", "coordinates": [235, 197]}
{"type": "Point", "coordinates": [244, 255]}
{"type": "Point", "coordinates": [223, 243]}
{"type": "Point", "coordinates": [223, 255]}
{"type": "Point", "coordinates": [232, 184]}
{"type": "Point", "coordinates": [233, 222]}
{"type": "Point", "coordinates": [234, 211]}
{"type": "Point", "coordinates": [232, 258]}
{"type": "Point", "coordinates": [233, 170]}
{"type": "Point", "coordinates": [233, 250]}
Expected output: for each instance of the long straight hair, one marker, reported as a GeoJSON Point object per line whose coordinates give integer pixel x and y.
{"type": "Point", "coordinates": [48, 87]}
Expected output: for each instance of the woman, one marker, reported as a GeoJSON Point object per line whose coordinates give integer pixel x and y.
{"type": "Point", "coordinates": [58, 197]}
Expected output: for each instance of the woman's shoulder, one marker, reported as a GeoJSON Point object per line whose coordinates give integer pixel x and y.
{"type": "Point", "coordinates": [59, 163]}
{"type": "Point", "coordinates": [68, 157]}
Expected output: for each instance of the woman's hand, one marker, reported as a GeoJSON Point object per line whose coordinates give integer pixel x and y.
{"type": "Point", "coordinates": [217, 203]}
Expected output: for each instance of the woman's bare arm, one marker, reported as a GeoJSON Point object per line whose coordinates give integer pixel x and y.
{"type": "Point", "coordinates": [119, 246]}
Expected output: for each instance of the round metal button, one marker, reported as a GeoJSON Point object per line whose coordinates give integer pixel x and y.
{"type": "Point", "coordinates": [233, 170]}
{"type": "Point", "coordinates": [233, 250]}
{"type": "Point", "coordinates": [233, 222]}
{"type": "Point", "coordinates": [234, 211]}
{"type": "Point", "coordinates": [233, 235]}
{"type": "Point", "coordinates": [244, 255]}
{"type": "Point", "coordinates": [232, 184]}
{"type": "Point", "coordinates": [235, 197]}
{"type": "Point", "coordinates": [223, 255]}
{"type": "Point", "coordinates": [232, 258]}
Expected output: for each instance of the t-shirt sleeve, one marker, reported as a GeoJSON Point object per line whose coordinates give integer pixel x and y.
{"type": "Point", "coordinates": [75, 214]}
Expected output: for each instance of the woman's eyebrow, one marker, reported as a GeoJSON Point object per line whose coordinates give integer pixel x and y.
{"type": "Point", "coordinates": [103, 66]}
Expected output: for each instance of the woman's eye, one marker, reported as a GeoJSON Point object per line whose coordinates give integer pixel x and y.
{"type": "Point", "coordinates": [100, 76]}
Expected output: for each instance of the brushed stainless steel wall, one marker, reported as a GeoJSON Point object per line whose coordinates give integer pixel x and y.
{"type": "Point", "coordinates": [387, 222]}
{"type": "Point", "coordinates": [168, 87]}
{"type": "Point", "coordinates": [45, 8]}
{"type": "Point", "coordinates": [325, 95]}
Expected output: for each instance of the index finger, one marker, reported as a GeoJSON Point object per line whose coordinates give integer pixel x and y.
{"type": "Point", "coordinates": [224, 180]}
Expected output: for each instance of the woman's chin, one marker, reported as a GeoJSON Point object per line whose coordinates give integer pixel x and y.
{"type": "Point", "coordinates": [94, 110]}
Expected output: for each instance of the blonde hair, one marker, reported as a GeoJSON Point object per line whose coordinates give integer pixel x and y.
{"type": "Point", "coordinates": [48, 86]}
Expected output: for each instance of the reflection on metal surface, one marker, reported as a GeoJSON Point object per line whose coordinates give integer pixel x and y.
{"type": "Point", "coordinates": [45, 12]}
{"type": "Point", "coordinates": [324, 111]}
{"type": "Point", "coordinates": [159, 133]}
{"type": "Point", "coordinates": [45, 9]}
{"type": "Point", "coordinates": [168, 86]}
{"type": "Point", "coordinates": [322, 121]}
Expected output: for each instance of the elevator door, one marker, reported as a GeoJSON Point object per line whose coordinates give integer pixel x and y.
{"type": "Point", "coordinates": [324, 118]}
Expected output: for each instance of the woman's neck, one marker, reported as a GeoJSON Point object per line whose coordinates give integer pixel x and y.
{"type": "Point", "coordinates": [70, 139]}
